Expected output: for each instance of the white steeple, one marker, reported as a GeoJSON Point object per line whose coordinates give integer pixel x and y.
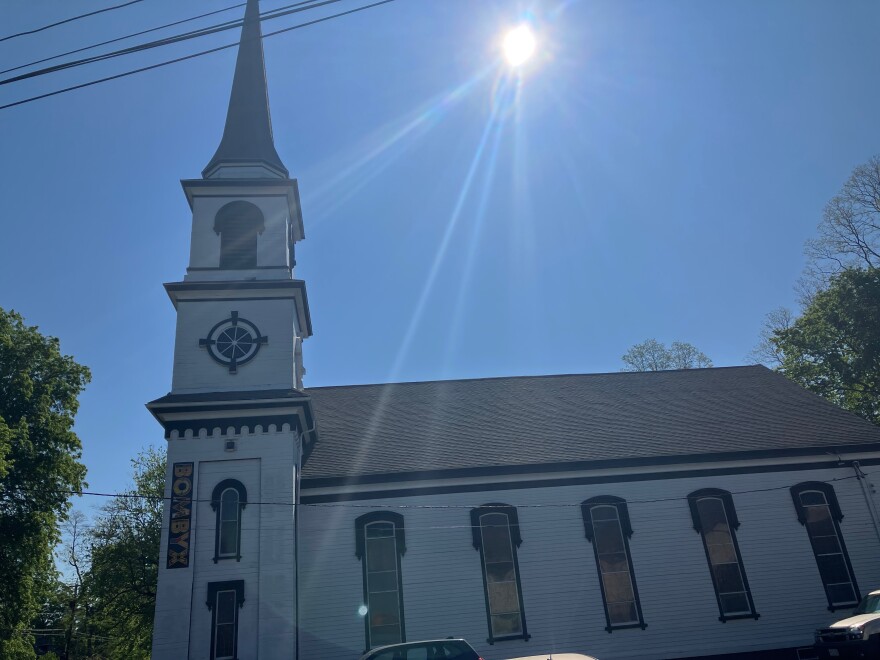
{"type": "Point", "coordinates": [236, 419]}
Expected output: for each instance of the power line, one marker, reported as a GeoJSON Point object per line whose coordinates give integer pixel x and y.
{"type": "Point", "coordinates": [555, 505]}
{"type": "Point", "coordinates": [127, 36]}
{"type": "Point", "coordinates": [186, 36]}
{"type": "Point", "coordinates": [68, 20]}
{"type": "Point", "coordinates": [187, 57]}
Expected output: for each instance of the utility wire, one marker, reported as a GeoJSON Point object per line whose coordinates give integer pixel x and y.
{"type": "Point", "coordinates": [221, 27]}
{"type": "Point", "coordinates": [187, 57]}
{"type": "Point", "coordinates": [123, 38]}
{"type": "Point", "coordinates": [551, 505]}
{"type": "Point", "coordinates": [68, 20]}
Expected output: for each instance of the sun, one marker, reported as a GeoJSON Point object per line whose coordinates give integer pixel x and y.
{"type": "Point", "coordinates": [519, 45]}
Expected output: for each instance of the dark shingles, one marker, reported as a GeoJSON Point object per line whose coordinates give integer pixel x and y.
{"type": "Point", "coordinates": [445, 425]}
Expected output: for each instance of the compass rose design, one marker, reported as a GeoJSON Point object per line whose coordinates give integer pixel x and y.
{"type": "Point", "coordinates": [233, 342]}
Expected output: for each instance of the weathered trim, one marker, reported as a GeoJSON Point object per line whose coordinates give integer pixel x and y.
{"type": "Point", "coordinates": [386, 477]}
{"type": "Point", "coordinates": [551, 483]}
{"type": "Point", "coordinates": [237, 424]}
{"type": "Point", "coordinates": [206, 409]}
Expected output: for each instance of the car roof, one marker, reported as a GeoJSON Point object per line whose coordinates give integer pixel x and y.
{"type": "Point", "coordinates": [403, 645]}
{"type": "Point", "coordinates": [557, 656]}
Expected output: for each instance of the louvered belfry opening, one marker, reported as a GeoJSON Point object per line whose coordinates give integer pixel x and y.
{"type": "Point", "coordinates": [239, 224]}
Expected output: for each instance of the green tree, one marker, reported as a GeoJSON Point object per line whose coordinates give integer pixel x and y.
{"type": "Point", "coordinates": [833, 348]}
{"type": "Point", "coordinates": [121, 583]}
{"type": "Point", "coordinates": [651, 355]}
{"type": "Point", "coordinates": [39, 470]}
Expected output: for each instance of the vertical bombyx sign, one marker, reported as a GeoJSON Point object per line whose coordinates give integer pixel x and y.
{"type": "Point", "coordinates": [181, 513]}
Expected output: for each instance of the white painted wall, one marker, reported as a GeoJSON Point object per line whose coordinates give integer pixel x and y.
{"type": "Point", "coordinates": [265, 463]}
{"type": "Point", "coordinates": [273, 366]}
{"type": "Point", "coordinates": [442, 580]}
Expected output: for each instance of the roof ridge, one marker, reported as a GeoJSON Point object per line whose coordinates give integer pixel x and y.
{"type": "Point", "coordinates": [542, 376]}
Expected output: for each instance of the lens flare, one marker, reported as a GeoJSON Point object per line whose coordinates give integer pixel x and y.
{"type": "Point", "coordinates": [519, 45]}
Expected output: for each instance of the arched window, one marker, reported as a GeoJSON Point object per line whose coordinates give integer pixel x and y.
{"type": "Point", "coordinates": [228, 500]}
{"type": "Point", "coordinates": [715, 519]}
{"type": "Point", "coordinates": [818, 511]}
{"type": "Point", "coordinates": [238, 224]}
{"type": "Point", "coordinates": [496, 535]}
{"type": "Point", "coordinates": [607, 528]}
{"type": "Point", "coordinates": [379, 544]}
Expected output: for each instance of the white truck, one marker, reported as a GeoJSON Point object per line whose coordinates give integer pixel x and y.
{"type": "Point", "coordinates": [857, 636]}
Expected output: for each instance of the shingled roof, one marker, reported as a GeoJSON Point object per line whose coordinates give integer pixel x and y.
{"type": "Point", "coordinates": [571, 419]}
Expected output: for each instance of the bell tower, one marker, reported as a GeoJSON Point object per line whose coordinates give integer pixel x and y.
{"type": "Point", "coordinates": [236, 419]}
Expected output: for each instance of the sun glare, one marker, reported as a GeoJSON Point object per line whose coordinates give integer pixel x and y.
{"type": "Point", "coordinates": [519, 45]}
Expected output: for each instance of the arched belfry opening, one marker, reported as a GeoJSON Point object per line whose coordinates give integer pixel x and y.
{"type": "Point", "coordinates": [238, 224]}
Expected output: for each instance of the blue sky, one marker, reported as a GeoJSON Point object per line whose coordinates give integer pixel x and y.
{"type": "Point", "coordinates": [654, 173]}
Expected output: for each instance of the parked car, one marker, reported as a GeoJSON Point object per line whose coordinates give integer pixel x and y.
{"type": "Point", "coordinates": [432, 649]}
{"type": "Point", "coordinates": [557, 656]}
{"type": "Point", "coordinates": [857, 636]}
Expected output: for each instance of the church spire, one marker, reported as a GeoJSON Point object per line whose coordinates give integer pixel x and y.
{"type": "Point", "coordinates": [247, 149]}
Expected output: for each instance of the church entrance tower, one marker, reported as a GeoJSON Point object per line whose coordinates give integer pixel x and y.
{"type": "Point", "coordinates": [236, 419]}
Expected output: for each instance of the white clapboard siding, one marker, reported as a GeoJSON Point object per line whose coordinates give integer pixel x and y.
{"type": "Point", "coordinates": [443, 588]}
{"type": "Point", "coordinates": [264, 463]}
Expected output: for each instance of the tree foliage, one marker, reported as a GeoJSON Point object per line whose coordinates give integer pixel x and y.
{"type": "Point", "coordinates": [125, 562]}
{"type": "Point", "coordinates": [849, 232]}
{"type": "Point", "coordinates": [833, 348]}
{"type": "Point", "coordinates": [103, 608]}
{"type": "Point", "coordinates": [39, 469]}
{"type": "Point", "coordinates": [830, 347]}
{"type": "Point", "coordinates": [651, 355]}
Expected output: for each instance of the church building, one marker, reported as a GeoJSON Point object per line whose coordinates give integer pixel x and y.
{"type": "Point", "coordinates": [675, 514]}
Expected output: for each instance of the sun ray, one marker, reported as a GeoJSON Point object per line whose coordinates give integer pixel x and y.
{"type": "Point", "coordinates": [444, 245]}
{"type": "Point", "coordinates": [388, 144]}
{"type": "Point", "coordinates": [375, 424]}
{"type": "Point", "coordinates": [470, 258]}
